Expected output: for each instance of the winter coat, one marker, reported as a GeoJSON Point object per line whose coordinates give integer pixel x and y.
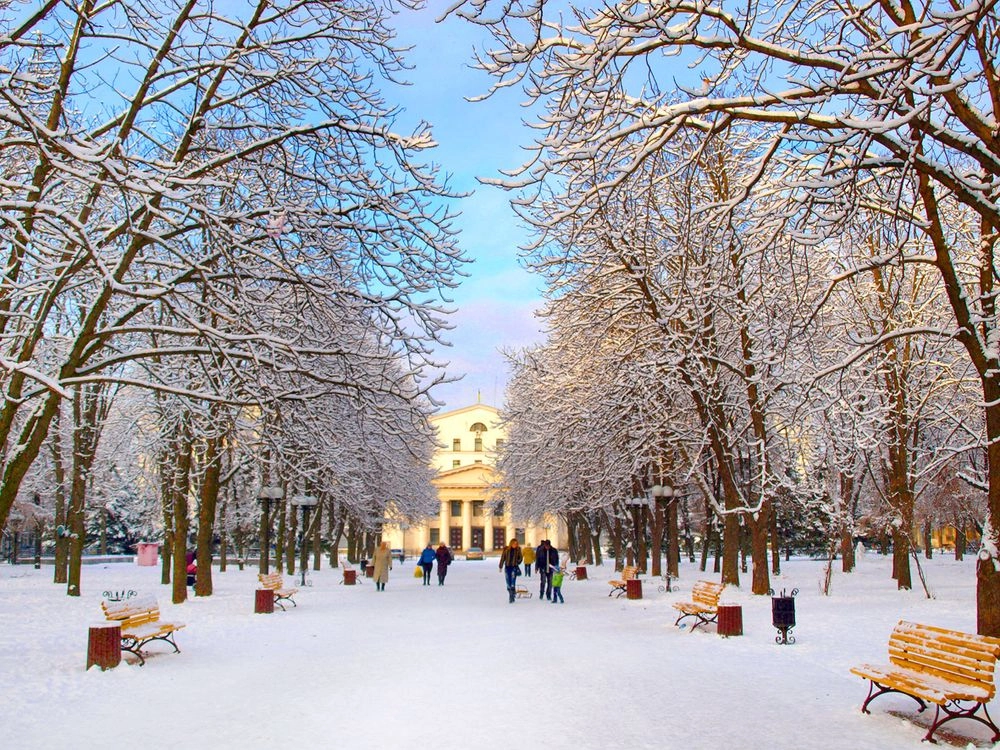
{"type": "Point", "coordinates": [511, 557]}
{"type": "Point", "coordinates": [544, 557]}
{"type": "Point", "coordinates": [383, 564]}
{"type": "Point", "coordinates": [529, 556]}
{"type": "Point", "coordinates": [557, 578]}
{"type": "Point", "coordinates": [444, 558]}
{"type": "Point", "coordinates": [428, 556]}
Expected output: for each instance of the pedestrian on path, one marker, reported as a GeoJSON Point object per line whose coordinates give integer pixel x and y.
{"type": "Point", "coordinates": [444, 559]}
{"type": "Point", "coordinates": [557, 581]}
{"type": "Point", "coordinates": [427, 558]}
{"type": "Point", "coordinates": [529, 560]}
{"type": "Point", "coordinates": [510, 564]}
{"type": "Point", "coordinates": [383, 564]}
{"type": "Point", "coordinates": [546, 557]}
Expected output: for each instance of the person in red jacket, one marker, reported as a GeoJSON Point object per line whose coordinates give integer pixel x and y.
{"type": "Point", "coordinates": [444, 558]}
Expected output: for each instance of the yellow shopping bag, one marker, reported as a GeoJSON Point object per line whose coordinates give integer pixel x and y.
{"type": "Point", "coordinates": [419, 572]}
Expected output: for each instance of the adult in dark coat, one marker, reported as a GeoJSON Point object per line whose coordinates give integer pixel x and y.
{"type": "Point", "coordinates": [546, 560]}
{"type": "Point", "coordinates": [444, 558]}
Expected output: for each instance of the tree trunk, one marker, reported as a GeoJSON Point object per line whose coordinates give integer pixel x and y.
{"type": "Point", "coordinates": [179, 491]}
{"type": "Point", "coordinates": [846, 550]}
{"type": "Point", "coordinates": [208, 501]}
{"type": "Point", "coordinates": [61, 572]}
{"type": "Point", "coordinates": [657, 525]}
{"type": "Point", "coordinates": [731, 550]}
{"type": "Point", "coordinates": [901, 559]}
{"type": "Point", "coordinates": [775, 545]}
{"type": "Point", "coordinates": [673, 541]}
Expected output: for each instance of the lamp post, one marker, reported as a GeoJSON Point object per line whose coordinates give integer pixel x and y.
{"type": "Point", "coordinates": [267, 494]}
{"type": "Point", "coordinates": [664, 494]}
{"type": "Point", "coordinates": [307, 503]}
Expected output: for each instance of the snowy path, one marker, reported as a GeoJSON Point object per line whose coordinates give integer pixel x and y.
{"type": "Point", "coordinates": [457, 666]}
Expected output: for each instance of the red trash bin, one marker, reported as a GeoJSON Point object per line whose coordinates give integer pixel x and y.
{"type": "Point", "coordinates": [264, 602]}
{"type": "Point", "coordinates": [104, 645]}
{"type": "Point", "coordinates": [633, 588]}
{"type": "Point", "coordinates": [350, 577]}
{"type": "Point", "coordinates": [369, 571]}
{"type": "Point", "coordinates": [581, 573]}
{"type": "Point", "coordinates": [730, 620]}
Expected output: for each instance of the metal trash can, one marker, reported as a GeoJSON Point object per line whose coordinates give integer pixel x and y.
{"type": "Point", "coordinates": [783, 615]}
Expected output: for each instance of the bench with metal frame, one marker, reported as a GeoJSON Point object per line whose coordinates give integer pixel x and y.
{"type": "Point", "coordinates": [276, 583]}
{"type": "Point", "coordinates": [704, 604]}
{"type": "Point", "coordinates": [141, 624]}
{"type": "Point", "coordinates": [949, 668]}
{"type": "Point", "coordinates": [620, 585]}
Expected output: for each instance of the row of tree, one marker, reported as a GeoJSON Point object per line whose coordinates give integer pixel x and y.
{"type": "Point", "coordinates": [222, 268]}
{"type": "Point", "coordinates": [770, 282]}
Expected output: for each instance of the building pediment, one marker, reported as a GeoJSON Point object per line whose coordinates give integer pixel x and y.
{"type": "Point", "coordinates": [472, 475]}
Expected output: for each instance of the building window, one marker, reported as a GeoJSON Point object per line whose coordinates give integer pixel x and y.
{"type": "Point", "coordinates": [478, 460]}
{"type": "Point", "coordinates": [456, 444]}
{"type": "Point", "coordinates": [435, 535]}
{"type": "Point", "coordinates": [479, 444]}
{"type": "Point", "coordinates": [499, 444]}
{"type": "Point", "coordinates": [456, 507]}
{"type": "Point", "coordinates": [477, 508]}
{"type": "Point", "coordinates": [456, 463]}
{"type": "Point", "coordinates": [519, 535]}
{"type": "Point", "coordinates": [498, 509]}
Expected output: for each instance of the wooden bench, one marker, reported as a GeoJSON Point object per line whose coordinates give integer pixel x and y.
{"type": "Point", "coordinates": [140, 623]}
{"type": "Point", "coordinates": [276, 583]}
{"type": "Point", "coordinates": [619, 586]}
{"type": "Point", "coordinates": [704, 604]}
{"type": "Point", "coordinates": [951, 669]}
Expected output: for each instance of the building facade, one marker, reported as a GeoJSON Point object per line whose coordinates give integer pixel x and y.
{"type": "Point", "coordinates": [468, 439]}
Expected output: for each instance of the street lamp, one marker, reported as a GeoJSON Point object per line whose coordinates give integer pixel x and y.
{"type": "Point", "coordinates": [267, 494]}
{"type": "Point", "coordinates": [663, 493]}
{"type": "Point", "coordinates": [306, 502]}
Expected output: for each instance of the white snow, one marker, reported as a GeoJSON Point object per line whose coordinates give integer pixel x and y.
{"type": "Point", "coordinates": [459, 667]}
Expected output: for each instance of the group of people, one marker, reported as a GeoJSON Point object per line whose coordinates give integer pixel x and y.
{"type": "Point", "coordinates": [382, 562]}
{"type": "Point", "coordinates": [545, 558]}
{"type": "Point", "coordinates": [442, 556]}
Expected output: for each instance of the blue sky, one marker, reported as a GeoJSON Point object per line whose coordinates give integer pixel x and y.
{"type": "Point", "coordinates": [496, 303]}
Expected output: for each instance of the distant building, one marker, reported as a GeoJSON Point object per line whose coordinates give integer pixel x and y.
{"type": "Point", "coordinates": [468, 439]}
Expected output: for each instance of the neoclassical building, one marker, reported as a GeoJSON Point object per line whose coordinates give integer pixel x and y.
{"type": "Point", "coordinates": [468, 439]}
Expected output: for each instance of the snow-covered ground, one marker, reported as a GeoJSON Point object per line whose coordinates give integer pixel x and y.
{"type": "Point", "coordinates": [459, 667]}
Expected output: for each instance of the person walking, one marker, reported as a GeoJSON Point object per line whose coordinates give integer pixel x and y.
{"type": "Point", "coordinates": [444, 559]}
{"type": "Point", "coordinates": [557, 581]}
{"type": "Point", "coordinates": [383, 564]}
{"type": "Point", "coordinates": [510, 564]}
{"type": "Point", "coordinates": [529, 560]}
{"type": "Point", "coordinates": [427, 558]}
{"type": "Point", "coordinates": [546, 557]}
